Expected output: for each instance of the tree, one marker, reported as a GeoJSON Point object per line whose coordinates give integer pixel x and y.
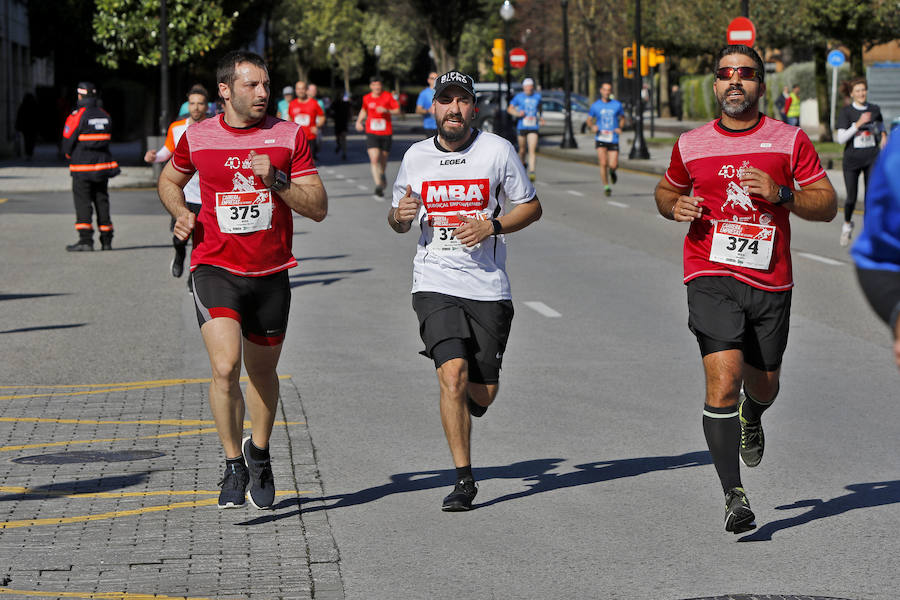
{"type": "Point", "coordinates": [443, 23]}
{"type": "Point", "coordinates": [398, 47]}
{"type": "Point", "coordinates": [129, 29]}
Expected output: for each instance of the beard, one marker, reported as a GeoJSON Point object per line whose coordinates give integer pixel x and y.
{"type": "Point", "coordinates": [245, 108]}
{"type": "Point", "coordinates": [453, 135]}
{"type": "Point", "coordinates": [735, 109]}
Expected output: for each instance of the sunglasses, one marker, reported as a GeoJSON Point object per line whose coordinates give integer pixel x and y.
{"type": "Point", "coordinates": [726, 73]}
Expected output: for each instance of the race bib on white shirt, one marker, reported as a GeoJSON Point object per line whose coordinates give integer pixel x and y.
{"type": "Point", "coordinates": [302, 119]}
{"type": "Point", "coordinates": [244, 212]}
{"type": "Point", "coordinates": [605, 136]}
{"type": "Point", "coordinates": [445, 201]}
{"type": "Point", "coordinates": [864, 140]}
{"type": "Point", "coordinates": [742, 244]}
{"type": "Point", "coordinates": [377, 124]}
{"type": "Point", "coordinates": [530, 122]}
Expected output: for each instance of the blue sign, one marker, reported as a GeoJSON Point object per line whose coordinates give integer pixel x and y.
{"type": "Point", "coordinates": [836, 58]}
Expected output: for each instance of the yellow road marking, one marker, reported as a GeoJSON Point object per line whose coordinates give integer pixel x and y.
{"type": "Point", "coordinates": [106, 440]}
{"type": "Point", "coordinates": [2, 200]}
{"type": "Point", "coordinates": [24, 491]}
{"type": "Point", "coordinates": [176, 422]}
{"type": "Point", "coordinates": [108, 387]}
{"type": "Point", "coordinates": [96, 596]}
{"type": "Point", "coordinates": [107, 515]}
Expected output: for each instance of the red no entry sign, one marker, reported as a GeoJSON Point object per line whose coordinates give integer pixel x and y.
{"type": "Point", "coordinates": [517, 58]}
{"type": "Point", "coordinates": [741, 31]}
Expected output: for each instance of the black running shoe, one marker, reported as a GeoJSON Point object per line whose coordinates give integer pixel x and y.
{"type": "Point", "coordinates": [738, 516]}
{"type": "Point", "coordinates": [753, 441]}
{"type": "Point", "coordinates": [612, 176]}
{"type": "Point", "coordinates": [475, 409]}
{"type": "Point", "coordinates": [80, 247]}
{"type": "Point", "coordinates": [460, 499]}
{"type": "Point", "coordinates": [262, 485]}
{"type": "Point", "coordinates": [379, 191]}
{"type": "Point", "coordinates": [234, 485]}
{"type": "Point", "coordinates": [178, 261]}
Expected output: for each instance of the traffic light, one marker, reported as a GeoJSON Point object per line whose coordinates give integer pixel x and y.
{"type": "Point", "coordinates": [645, 61]}
{"type": "Point", "coordinates": [657, 57]}
{"type": "Point", "coordinates": [499, 52]}
{"type": "Point", "coordinates": [628, 61]}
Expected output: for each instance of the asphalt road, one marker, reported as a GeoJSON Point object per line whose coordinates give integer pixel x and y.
{"type": "Point", "coordinates": [594, 479]}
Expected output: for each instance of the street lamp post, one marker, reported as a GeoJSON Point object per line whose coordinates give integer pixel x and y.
{"type": "Point", "coordinates": [568, 139]}
{"type": "Point", "coordinates": [507, 12]}
{"type": "Point", "coordinates": [332, 50]}
{"type": "Point", "coordinates": [163, 68]}
{"type": "Point", "coordinates": [377, 60]}
{"type": "Point", "coordinates": [639, 147]}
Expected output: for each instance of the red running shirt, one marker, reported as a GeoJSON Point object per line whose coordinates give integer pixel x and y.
{"type": "Point", "coordinates": [709, 159]}
{"type": "Point", "coordinates": [379, 123]}
{"type": "Point", "coordinates": [229, 190]}
{"type": "Point", "coordinates": [304, 114]}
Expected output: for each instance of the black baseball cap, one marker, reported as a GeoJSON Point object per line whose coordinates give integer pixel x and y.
{"type": "Point", "coordinates": [86, 88]}
{"type": "Point", "coordinates": [455, 78]}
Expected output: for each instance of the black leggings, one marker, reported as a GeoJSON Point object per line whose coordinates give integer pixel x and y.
{"type": "Point", "coordinates": [851, 180]}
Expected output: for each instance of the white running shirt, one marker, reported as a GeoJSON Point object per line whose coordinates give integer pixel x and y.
{"type": "Point", "coordinates": [475, 181]}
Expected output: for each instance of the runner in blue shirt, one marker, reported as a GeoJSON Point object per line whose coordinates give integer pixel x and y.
{"type": "Point", "coordinates": [526, 107]}
{"type": "Point", "coordinates": [287, 94]}
{"type": "Point", "coordinates": [424, 106]}
{"type": "Point", "coordinates": [606, 118]}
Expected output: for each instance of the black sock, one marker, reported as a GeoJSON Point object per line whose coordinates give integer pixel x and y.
{"type": "Point", "coordinates": [723, 436]}
{"type": "Point", "coordinates": [234, 461]}
{"type": "Point", "coordinates": [464, 473]}
{"type": "Point", "coordinates": [258, 453]}
{"type": "Point", "coordinates": [753, 408]}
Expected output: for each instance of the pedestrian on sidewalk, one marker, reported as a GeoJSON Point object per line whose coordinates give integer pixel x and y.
{"type": "Point", "coordinates": [255, 170]}
{"type": "Point", "coordinates": [792, 106]}
{"type": "Point", "coordinates": [740, 170]}
{"type": "Point", "coordinates": [85, 142]}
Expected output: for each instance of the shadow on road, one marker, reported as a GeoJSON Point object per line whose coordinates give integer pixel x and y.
{"type": "Point", "coordinates": [83, 486]}
{"type": "Point", "coordinates": [27, 296]}
{"type": "Point", "coordinates": [43, 328]}
{"type": "Point", "coordinates": [300, 279]}
{"type": "Point", "coordinates": [862, 495]}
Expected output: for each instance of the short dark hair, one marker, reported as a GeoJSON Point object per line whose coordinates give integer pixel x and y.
{"type": "Point", "coordinates": [746, 51]}
{"type": "Point", "coordinates": [225, 69]}
{"type": "Point", "coordinates": [375, 78]}
{"type": "Point", "coordinates": [855, 82]}
{"type": "Point", "coordinates": [198, 89]}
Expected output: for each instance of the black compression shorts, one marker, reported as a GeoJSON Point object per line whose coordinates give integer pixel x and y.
{"type": "Point", "coordinates": [608, 145]}
{"type": "Point", "coordinates": [475, 330]}
{"type": "Point", "coordinates": [382, 142]}
{"type": "Point", "coordinates": [727, 314]}
{"type": "Point", "coordinates": [882, 289]}
{"type": "Point", "coordinates": [259, 304]}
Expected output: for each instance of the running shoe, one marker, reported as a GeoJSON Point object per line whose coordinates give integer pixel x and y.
{"type": "Point", "coordinates": [612, 176]}
{"type": "Point", "coordinates": [80, 247]}
{"type": "Point", "coordinates": [753, 441]}
{"type": "Point", "coordinates": [846, 233]}
{"type": "Point", "coordinates": [475, 409]}
{"type": "Point", "coordinates": [607, 191]}
{"type": "Point", "coordinates": [262, 485]}
{"type": "Point", "coordinates": [233, 484]}
{"type": "Point", "coordinates": [379, 191]}
{"type": "Point", "coordinates": [177, 265]}
{"type": "Point", "coordinates": [531, 176]}
{"type": "Point", "coordinates": [460, 499]}
{"type": "Point", "coordinates": [738, 516]}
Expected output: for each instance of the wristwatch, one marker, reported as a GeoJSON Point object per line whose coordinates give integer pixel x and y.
{"type": "Point", "coordinates": [498, 227]}
{"type": "Point", "coordinates": [785, 194]}
{"type": "Point", "coordinates": [281, 181]}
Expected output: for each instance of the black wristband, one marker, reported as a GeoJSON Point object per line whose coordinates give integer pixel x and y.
{"type": "Point", "coordinates": [498, 228]}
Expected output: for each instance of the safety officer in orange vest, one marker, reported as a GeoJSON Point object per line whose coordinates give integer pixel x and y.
{"type": "Point", "coordinates": [85, 142]}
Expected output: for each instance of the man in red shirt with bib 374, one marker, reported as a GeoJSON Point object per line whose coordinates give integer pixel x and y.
{"type": "Point", "coordinates": [737, 258]}
{"type": "Point", "coordinates": [254, 170]}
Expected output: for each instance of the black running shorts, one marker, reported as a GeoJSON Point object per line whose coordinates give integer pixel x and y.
{"type": "Point", "coordinates": [609, 146]}
{"type": "Point", "coordinates": [259, 304]}
{"type": "Point", "coordinates": [382, 142]}
{"type": "Point", "coordinates": [727, 314]}
{"type": "Point", "coordinates": [475, 330]}
{"type": "Point", "coordinates": [882, 289]}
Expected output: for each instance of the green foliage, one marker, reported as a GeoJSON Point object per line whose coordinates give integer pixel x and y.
{"type": "Point", "coordinates": [398, 47]}
{"type": "Point", "coordinates": [128, 30]}
{"type": "Point", "coordinates": [698, 97]}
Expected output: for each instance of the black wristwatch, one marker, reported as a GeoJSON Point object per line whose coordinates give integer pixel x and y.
{"type": "Point", "coordinates": [785, 194]}
{"type": "Point", "coordinates": [498, 228]}
{"type": "Point", "coordinates": [281, 181]}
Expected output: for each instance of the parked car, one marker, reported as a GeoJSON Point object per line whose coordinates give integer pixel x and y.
{"type": "Point", "coordinates": [552, 109]}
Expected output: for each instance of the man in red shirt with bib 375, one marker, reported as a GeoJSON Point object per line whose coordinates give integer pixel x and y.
{"type": "Point", "coordinates": [254, 170]}
{"type": "Point", "coordinates": [737, 258]}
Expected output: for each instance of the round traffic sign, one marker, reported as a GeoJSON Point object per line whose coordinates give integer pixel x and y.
{"type": "Point", "coordinates": [741, 31]}
{"type": "Point", "coordinates": [836, 58]}
{"type": "Point", "coordinates": [517, 58]}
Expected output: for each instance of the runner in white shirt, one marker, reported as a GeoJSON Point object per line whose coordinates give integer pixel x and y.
{"type": "Point", "coordinates": [455, 185]}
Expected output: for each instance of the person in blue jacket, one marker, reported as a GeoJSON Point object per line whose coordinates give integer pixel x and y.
{"type": "Point", "coordinates": [526, 108]}
{"type": "Point", "coordinates": [877, 250]}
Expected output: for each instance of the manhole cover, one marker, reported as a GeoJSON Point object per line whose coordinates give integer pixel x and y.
{"type": "Point", "coordinates": [765, 597]}
{"type": "Point", "coordinates": [62, 458]}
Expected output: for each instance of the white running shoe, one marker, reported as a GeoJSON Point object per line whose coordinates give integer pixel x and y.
{"type": "Point", "coordinates": [846, 233]}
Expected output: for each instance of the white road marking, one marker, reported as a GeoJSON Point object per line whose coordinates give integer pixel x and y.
{"type": "Point", "coordinates": [574, 193]}
{"type": "Point", "coordinates": [543, 309]}
{"type": "Point", "coordinates": [821, 259]}
{"type": "Point", "coordinates": [541, 183]}
{"type": "Point", "coordinates": [619, 204]}
{"type": "Point", "coordinates": [362, 187]}
{"type": "Point", "coordinates": [351, 180]}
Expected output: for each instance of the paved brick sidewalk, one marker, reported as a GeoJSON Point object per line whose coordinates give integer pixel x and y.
{"type": "Point", "coordinates": [112, 489]}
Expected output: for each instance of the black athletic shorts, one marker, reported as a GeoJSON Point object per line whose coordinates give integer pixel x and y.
{"type": "Point", "coordinates": [382, 142]}
{"type": "Point", "coordinates": [727, 314]}
{"type": "Point", "coordinates": [259, 304]}
{"type": "Point", "coordinates": [609, 146]}
{"type": "Point", "coordinates": [882, 289]}
{"type": "Point", "coordinates": [475, 330]}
